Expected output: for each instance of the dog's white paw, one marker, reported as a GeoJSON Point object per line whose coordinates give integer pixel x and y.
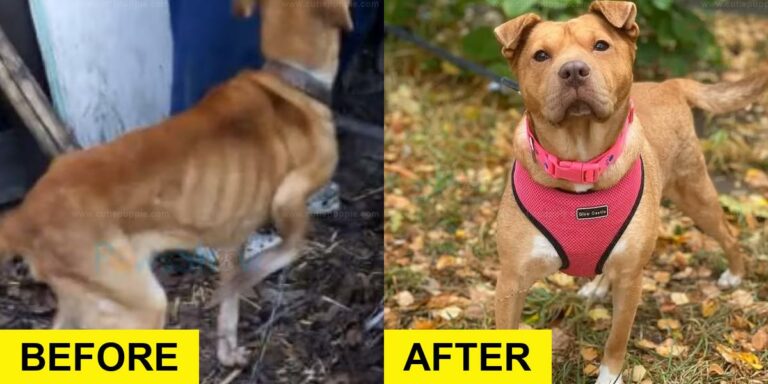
{"type": "Point", "coordinates": [232, 356]}
{"type": "Point", "coordinates": [606, 377]}
{"type": "Point", "coordinates": [595, 289]}
{"type": "Point", "coordinates": [728, 280]}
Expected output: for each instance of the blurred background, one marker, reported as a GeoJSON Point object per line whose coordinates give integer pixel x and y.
{"type": "Point", "coordinates": [447, 157]}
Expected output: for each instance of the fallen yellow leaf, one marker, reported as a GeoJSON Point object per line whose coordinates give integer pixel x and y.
{"type": "Point", "coordinates": [756, 178]}
{"type": "Point", "coordinates": [599, 313]}
{"type": "Point", "coordinates": [638, 372]}
{"type": "Point", "coordinates": [645, 344]}
{"type": "Point", "coordinates": [446, 300]}
{"type": "Point", "coordinates": [679, 298]}
{"type": "Point", "coordinates": [420, 323]}
{"type": "Point", "coordinates": [726, 353]}
{"type": "Point", "coordinates": [588, 353]}
{"type": "Point", "coordinates": [671, 348]}
{"type": "Point", "coordinates": [445, 261]}
{"type": "Point", "coordinates": [662, 277]}
{"type": "Point", "coordinates": [708, 307]}
{"type": "Point", "coordinates": [733, 357]}
{"type": "Point", "coordinates": [668, 324]}
{"type": "Point", "coordinates": [750, 359]}
{"type": "Point", "coordinates": [562, 280]}
{"type": "Point", "coordinates": [716, 369]}
{"type": "Point", "coordinates": [591, 370]}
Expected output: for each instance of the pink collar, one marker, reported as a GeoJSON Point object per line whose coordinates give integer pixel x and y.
{"type": "Point", "coordinates": [575, 171]}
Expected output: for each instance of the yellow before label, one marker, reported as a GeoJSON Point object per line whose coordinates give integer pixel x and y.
{"type": "Point", "coordinates": [99, 356]}
{"type": "Point", "coordinates": [467, 356]}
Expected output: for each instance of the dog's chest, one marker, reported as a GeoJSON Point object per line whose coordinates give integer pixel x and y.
{"type": "Point", "coordinates": [583, 228]}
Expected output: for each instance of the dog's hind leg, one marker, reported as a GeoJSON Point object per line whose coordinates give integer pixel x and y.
{"type": "Point", "coordinates": [105, 284]}
{"type": "Point", "coordinates": [289, 214]}
{"type": "Point", "coordinates": [228, 352]}
{"type": "Point", "coordinates": [696, 196]}
{"type": "Point", "coordinates": [596, 289]}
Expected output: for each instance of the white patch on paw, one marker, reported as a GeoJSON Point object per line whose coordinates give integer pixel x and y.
{"type": "Point", "coordinates": [606, 377]}
{"type": "Point", "coordinates": [595, 289]}
{"type": "Point", "coordinates": [232, 356]}
{"type": "Point", "coordinates": [728, 280]}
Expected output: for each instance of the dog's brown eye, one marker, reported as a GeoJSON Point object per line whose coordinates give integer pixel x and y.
{"type": "Point", "coordinates": [540, 55]}
{"type": "Point", "coordinates": [601, 45]}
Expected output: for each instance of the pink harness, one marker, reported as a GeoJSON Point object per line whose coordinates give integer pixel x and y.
{"type": "Point", "coordinates": [582, 227]}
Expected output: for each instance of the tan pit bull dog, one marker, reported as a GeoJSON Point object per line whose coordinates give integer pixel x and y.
{"type": "Point", "coordinates": [249, 153]}
{"type": "Point", "coordinates": [590, 133]}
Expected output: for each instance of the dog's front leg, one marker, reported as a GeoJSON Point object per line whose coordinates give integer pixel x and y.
{"type": "Point", "coordinates": [521, 266]}
{"type": "Point", "coordinates": [228, 351]}
{"type": "Point", "coordinates": [510, 299]}
{"type": "Point", "coordinates": [627, 292]}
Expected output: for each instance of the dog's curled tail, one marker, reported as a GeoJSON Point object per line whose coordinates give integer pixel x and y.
{"type": "Point", "coordinates": [725, 97]}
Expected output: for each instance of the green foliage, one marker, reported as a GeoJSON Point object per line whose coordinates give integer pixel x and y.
{"type": "Point", "coordinates": [674, 39]}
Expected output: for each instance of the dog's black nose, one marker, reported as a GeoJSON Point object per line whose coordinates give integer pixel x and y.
{"type": "Point", "coordinates": [574, 73]}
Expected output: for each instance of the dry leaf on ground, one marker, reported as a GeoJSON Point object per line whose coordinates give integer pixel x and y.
{"type": "Point", "coordinates": [671, 348]}
{"type": "Point", "coordinates": [588, 353]}
{"type": "Point", "coordinates": [404, 299]}
{"type": "Point", "coordinates": [638, 372]}
{"type": "Point", "coordinates": [599, 313]}
{"type": "Point", "coordinates": [591, 370]}
{"type": "Point", "coordinates": [708, 307]}
{"type": "Point", "coordinates": [744, 358]}
{"type": "Point", "coordinates": [759, 339]}
{"type": "Point", "coordinates": [668, 324]}
{"type": "Point", "coordinates": [679, 298]}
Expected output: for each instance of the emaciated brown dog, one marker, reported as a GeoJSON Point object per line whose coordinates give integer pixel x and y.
{"type": "Point", "coordinates": [576, 81]}
{"type": "Point", "coordinates": [249, 153]}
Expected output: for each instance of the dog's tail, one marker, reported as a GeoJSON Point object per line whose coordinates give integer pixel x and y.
{"type": "Point", "coordinates": [725, 96]}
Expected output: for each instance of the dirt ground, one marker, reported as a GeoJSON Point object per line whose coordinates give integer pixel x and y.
{"type": "Point", "coordinates": [313, 322]}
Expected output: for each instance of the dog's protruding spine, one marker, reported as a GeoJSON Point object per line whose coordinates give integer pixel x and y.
{"type": "Point", "coordinates": [725, 97]}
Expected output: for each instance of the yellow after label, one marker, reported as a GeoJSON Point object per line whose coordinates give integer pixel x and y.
{"type": "Point", "coordinates": [88, 356]}
{"type": "Point", "coordinates": [467, 356]}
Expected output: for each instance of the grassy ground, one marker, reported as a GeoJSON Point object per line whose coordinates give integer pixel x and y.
{"type": "Point", "coordinates": [447, 156]}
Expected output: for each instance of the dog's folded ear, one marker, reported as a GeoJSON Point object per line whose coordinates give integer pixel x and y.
{"type": "Point", "coordinates": [244, 8]}
{"type": "Point", "coordinates": [337, 13]}
{"type": "Point", "coordinates": [513, 33]}
{"type": "Point", "coordinates": [620, 14]}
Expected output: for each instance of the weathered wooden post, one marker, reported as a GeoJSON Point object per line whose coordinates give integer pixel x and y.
{"type": "Point", "coordinates": [31, 103]}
